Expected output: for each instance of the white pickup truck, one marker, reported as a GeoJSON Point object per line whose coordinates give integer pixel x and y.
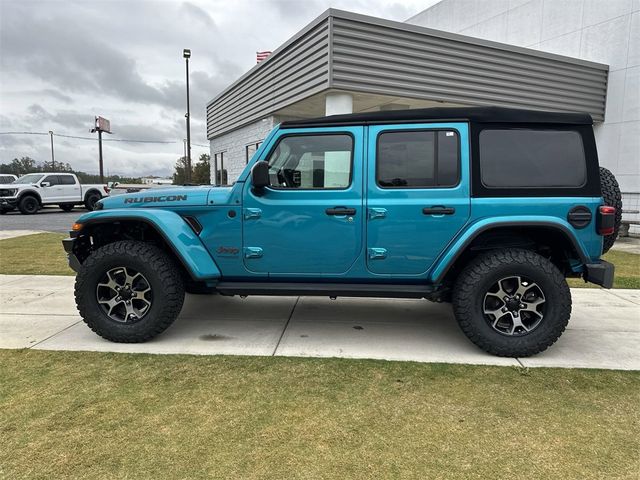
{"type": "Point", "coordinates": [32, 191]}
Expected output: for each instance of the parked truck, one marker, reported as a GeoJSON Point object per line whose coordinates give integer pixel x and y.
{"type": "Point", "coordinates": [33, 191]}
{"type": "Point", "coordinates": [490, 209]}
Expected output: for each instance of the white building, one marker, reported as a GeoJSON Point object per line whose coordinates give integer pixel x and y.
{"type": "Point", "coordinates": [569, 55]}
{"type": "Point", "coordinates": [603, 31]}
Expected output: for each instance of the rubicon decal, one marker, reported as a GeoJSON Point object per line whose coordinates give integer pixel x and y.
{"type": "Point", "coordinates": [163, 198]}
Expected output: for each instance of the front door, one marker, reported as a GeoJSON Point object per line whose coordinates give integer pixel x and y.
{"type": "Point", "coordinates": [52, 192]}
{"type": "Point", "coordinates": [417, 194]}
{"type": "Point", "coordinates": [310, 220]}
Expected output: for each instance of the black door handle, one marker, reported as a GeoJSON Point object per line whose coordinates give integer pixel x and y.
{"type": "Point", "coordinates": [340, 211]}
{"type": "Point", "coordinates": [438, 210]}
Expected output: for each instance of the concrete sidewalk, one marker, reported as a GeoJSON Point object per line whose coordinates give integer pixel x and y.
{"type": "Point", "coordinates": [39, 312]}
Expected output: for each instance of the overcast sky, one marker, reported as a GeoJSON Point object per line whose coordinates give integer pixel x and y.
{"type": "Point", "coordinates": [62, 62]}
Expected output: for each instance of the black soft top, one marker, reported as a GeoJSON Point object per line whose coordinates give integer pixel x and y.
{"type": "Point", "coordinates": [470, 114]}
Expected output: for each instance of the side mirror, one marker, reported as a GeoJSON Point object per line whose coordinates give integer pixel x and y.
{"type": "Point", "coordinates": [260, 175]}
{"type": "Point", "coordinates": [45, 184]}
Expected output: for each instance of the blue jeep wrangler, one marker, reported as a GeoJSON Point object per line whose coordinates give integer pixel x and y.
{"type": "Point", "coordinates": [487, 208]}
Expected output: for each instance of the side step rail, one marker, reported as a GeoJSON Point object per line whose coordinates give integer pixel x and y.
{"type": "Point", "coordinates": [326, 289]}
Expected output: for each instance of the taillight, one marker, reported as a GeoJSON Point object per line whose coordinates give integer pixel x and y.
{"type": "Point", "coordinates": [606, 220]}
{"type": "Point", "coordinates": [106, 189]}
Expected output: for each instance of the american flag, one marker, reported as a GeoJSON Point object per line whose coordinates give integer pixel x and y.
{"type": "Point", "coordinates": [260, 56]}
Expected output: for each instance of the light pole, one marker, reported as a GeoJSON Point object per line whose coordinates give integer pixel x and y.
{"type": "Point", "coordinates": [186, 53]}
{"type": "Point", "coordinates": [53, 161]}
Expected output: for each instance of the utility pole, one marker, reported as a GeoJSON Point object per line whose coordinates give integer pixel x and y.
{"type": "Point", "coordinates": [186, 53]}
{"type": "Point", "coordinates": [53, 161]}
{"type": "Point", "coordinates": [101, 125]}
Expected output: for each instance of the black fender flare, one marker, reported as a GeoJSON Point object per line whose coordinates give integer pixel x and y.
{"type": "Point", "coordinates": [566, 232]}
{"type": "Point", "coordinates": [31, 193]}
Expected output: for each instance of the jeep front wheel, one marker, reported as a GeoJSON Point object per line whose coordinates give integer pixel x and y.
{"type": "Point", "coordinates": [512, 303]}
{"type": "Point", "coordinates": [129, 291]}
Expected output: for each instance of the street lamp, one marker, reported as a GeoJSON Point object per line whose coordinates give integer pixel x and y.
{"type": "Point", "coordinates": [186, 53]}
{"type": "Point", "coordinates": [53, 162]}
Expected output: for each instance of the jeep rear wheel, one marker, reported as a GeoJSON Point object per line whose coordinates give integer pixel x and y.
{"type": "Point", "coordinates": [612, 197]}
{"type": "Point", "coordinates": [512, 303]}
{"type": "Point", "coordinates": [28, 205]}
{"type": "Point", "coordinates": [129, 291]}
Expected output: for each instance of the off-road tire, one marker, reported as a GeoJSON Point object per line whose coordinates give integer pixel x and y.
{"type": "Point", "coordinates": [476, 279]}
{"type": "Point", "coordinates": [28, 205]}
{"type": "Point", "coordinates": [612, 197]}
{"type": "Point", "coordinates": [66, 207]}
{"type": "Point", "coordinates": [159, 269]}
{"type": "Point", "coordinates": [90, 200]}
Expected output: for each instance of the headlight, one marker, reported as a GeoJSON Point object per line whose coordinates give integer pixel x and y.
{"type": "Point", "coordinates": [8, 192]}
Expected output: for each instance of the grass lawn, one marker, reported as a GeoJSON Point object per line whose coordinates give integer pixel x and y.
{"type": "Point", "coordinates": [38, 254]}
{"type": "Point", "coordinates": [42, 253]}
{"type": "Point", "coordinates": [103, 415]}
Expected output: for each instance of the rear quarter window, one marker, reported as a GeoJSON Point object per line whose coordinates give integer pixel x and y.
{"type": "Point", "coordinates": [527, 158]}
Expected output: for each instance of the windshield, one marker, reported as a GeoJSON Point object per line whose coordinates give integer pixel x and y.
{"type": "Point", "coordinates": [31, 178]}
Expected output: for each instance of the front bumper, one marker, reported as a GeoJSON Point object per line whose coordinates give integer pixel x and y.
{"type": "Point", "coordinates": [74, 263]}
{"type": "Point", "coordinates": [8, 203]}
{"type": "Point", "coordinates": [600, 273]}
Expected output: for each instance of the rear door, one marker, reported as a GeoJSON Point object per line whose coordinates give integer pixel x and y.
{"type": "Point", "coordinates": [69, 188]}
{"type": "Point", "coordinates": [417, 194]}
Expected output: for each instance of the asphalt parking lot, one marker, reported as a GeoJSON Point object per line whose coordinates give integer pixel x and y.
{"type": "Point", "coordinates": [49, 219]}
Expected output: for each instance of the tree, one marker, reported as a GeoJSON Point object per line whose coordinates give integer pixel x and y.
{"type": "Point", "coordinates": [48, 166]}
{"type": "Point", "coordinates": [202, 170]}
{"type": "Point", "coordinates": [20, 166]}
{"type": "Point", "coordinates": [180, 175]}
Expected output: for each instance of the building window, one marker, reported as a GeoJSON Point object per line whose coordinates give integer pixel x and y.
{"type": "Point", "coordinates": [312, 162]}
{"type": "Point", "coordinates": [250, 150]}
{"type": "Point", "coordinates": [418, 159]}
{"type": "Point", "coordinates": [524, 158]}
{"type": "Point", "coordinates": [222, 177]}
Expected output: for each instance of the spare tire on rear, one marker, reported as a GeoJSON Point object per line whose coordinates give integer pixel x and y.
{"type": "Point", "coordinates": [612, 197]}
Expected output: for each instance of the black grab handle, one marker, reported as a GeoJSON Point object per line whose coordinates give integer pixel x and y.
{"type": "Point", "coordinates": [340, 211]}
{"type": "Point", "coordinates": [438, 210]}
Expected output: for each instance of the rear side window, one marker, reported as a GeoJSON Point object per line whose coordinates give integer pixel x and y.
{"type": "Point", "coordinates": [66, 180]}
{"type": "Point", "coordinates": [532, 159]}
{"type": "Point", "coordinates": [418, 159]}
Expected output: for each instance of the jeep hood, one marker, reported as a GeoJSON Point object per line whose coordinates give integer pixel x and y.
{"type": "Point", "coordinates": [170, 197]}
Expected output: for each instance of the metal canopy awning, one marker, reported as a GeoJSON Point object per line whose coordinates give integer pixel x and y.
{"type": "Point", "coordinates": [375, 58]}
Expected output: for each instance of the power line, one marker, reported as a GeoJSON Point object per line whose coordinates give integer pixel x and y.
{"type": "Point", "coordinates": [124, 140]}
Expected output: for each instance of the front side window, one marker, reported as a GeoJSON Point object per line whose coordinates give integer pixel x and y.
{"type": "Point", "coordinates": [532, 158]}
{"type": "Point", "coordinates": [418, 159]}
{"type": "Point", "coordinates": [52, 179]}
{"type": "Point", "coordinates": [312, 162]}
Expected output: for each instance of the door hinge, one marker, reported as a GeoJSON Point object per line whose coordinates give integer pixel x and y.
{"type": "Point", "coordinates": [252, 252]}
{"type": "Point", "coordinates": [377, 213]}
{"type": "Point", "coordinates": [252, 213]}
{"type": "Point", "coordinates": [377, 253]}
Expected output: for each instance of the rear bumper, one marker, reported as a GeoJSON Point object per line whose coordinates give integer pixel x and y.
{"type": "Point", "coordinates": [600, 273]}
